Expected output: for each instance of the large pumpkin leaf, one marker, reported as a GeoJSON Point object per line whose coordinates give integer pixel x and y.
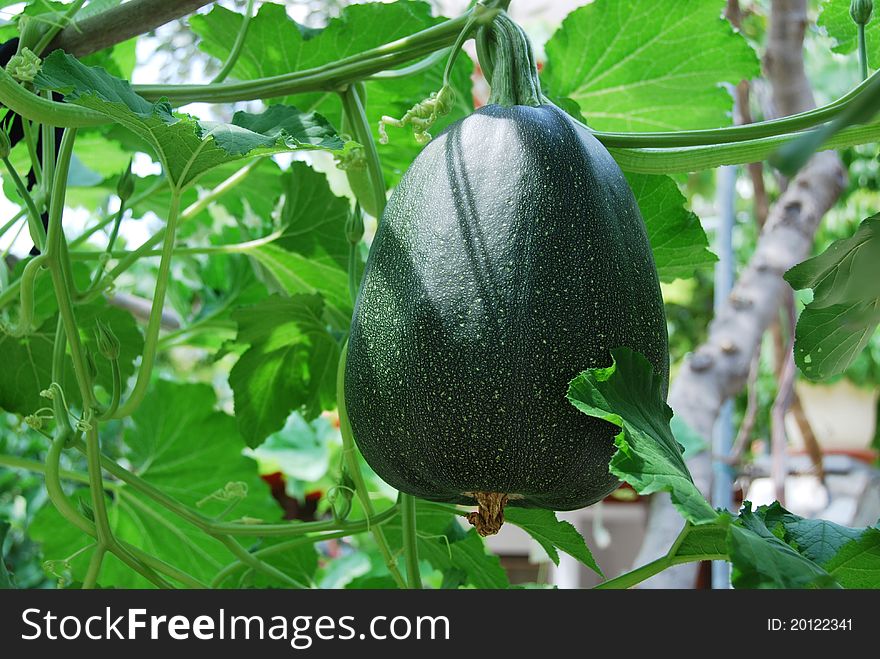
{"type": "Point", "coordinates": [298, 273]}
{"type": "Point", "coordinates": [677, 238]}
{"type": "Point", "coordinates": [769, 547]}
{"type": "Point", "coordinates": [311, 255]}
{"type": "Point", "coordinates": [627, 394]}
{"type": "Point", "coordinates": [313, 217]}
{"type": "Point", "coordinates": [276, 45]}
{"type": "Point", "coordinates": [290, 364]}
{"type": "Point", "coordinates": [850, 555]}
{"type": "Point", "coordinates": [836, 326]}
{"type": "Point", "coordinates": [30, 357]}
{"type": "Point", "coordinates": [181, 445]}
{"type": "Point", "coordinates": [552, 534]}
{"type": "Point", "coordinates": [762, 560]}
{"type": "Point", "coordinates": [186, 147]}
{"type": "Point", "coordinates": [636, 65]}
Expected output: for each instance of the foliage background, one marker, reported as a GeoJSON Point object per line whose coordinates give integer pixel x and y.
{"type": "Point", "coordinates": [228, 397]}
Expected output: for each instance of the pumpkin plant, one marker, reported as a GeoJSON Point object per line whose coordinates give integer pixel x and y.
{"type": "Point", "coordinates": [498, 353]}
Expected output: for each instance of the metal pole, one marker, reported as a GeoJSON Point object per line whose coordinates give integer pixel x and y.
{"type": "Point", "coordinates": [722, 439]}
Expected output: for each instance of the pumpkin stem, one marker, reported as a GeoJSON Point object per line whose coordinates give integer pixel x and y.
{"type": "Point", "coordinates": [508, 63]}
{"type": "Point", "coordinates": [490, 513]}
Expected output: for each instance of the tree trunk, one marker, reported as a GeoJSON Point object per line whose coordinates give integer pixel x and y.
{"type": "Point", "coordinates": [719, 368]}
{"type": "Point", "coordinates": [120, 23]}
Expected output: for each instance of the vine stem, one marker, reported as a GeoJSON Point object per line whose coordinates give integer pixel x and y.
{"type": "Point", "coordinates": [234, 248]}
{"type": "Point", "coordinates": [154, 324]}
{"type": "Point", "coordinates": [226, 528]}
{"type": "Point", "coordinates": [237, 45]}
{"type": "Point", "coordinates": [863, 51]}
{"type": "Point", "coordinates": [71, 514]}
{"type": "Point", "coordinates": [696, 158]}
{"type": "Point", "coordinates": [640, 574]}
{"type": "Point", "coordinates": [138, 560]}
{"type": "Point", "coordinates": [28, 131]}
{"type": "Point", "coordinates": [15, 462]}
{"type": "Point", "coordinates": [48, 161]}
{"type": "Point", "coordinates": [417, 67]}
{"type": "Point", "coordinates": [35, 224]}
{"type": "Point", "coordinates": [94, 568]}
{"type": "Point", "coordinates": [27, 282]}
{"type": "Point", "coordinates": [357, 119]}
{"type": "Point", "coordinates": [410, 540]}
{"type": "Point", "coordinates": [255, 563]}
{"type": "Point", "coordinates": [55, 255]}
{"type": "Point", "coordinates": [53, 31]}
{"type": "Point", "coordinates": [108, 252]}
{"type": "Point", "coordinates": [349, 452]}
{"type": "Point", "coordinates": [281, 547]}
{"type": "Point", "coordinates": [459, 42]}
{"type": "Point", "coordinates": [12, 221]}
{"type": "Point", "coordinates": [637, 576]}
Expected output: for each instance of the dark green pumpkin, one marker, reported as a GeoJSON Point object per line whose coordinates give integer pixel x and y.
{"type": "Point", "coordinates": [511, 257]}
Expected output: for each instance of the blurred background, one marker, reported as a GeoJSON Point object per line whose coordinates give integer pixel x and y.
{"type": "Point", "coordinates": [830, 430]}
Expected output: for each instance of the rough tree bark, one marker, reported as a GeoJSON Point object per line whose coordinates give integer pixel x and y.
{"type": "Point", "coordinates": [120, 23]}
{"type": "Point", "coordinates": [719, 368]}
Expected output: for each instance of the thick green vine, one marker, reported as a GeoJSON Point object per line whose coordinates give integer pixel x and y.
{"type": "Point", "coordinates": [78, 414]}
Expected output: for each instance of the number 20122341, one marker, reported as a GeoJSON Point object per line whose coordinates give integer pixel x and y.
{"type": "Point", "coordinates": [809, 624]}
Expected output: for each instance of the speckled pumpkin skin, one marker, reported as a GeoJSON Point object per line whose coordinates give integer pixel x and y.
{"type": "Point", "coordinates": [511, 257]}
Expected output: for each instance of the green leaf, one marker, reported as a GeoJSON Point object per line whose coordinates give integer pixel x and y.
{"type": "Point", "coordinates": [449, 548]}
{"type": "Point", "coordinates": [370, 582]}
{"type": "Point", "coordinates": [358, 28]}
{"type": "Point", "coordinates": [101, 155]}
{"type": "Point", "coordinates": [299, 562]}
{"type": "Point", "coordinates": [836, 326]}
{"type": "Point", "coordinates": [31, 355]}
{"type": "Point", "coordinates": [677, 238]}
{"type": "Point", "coordinates": [186, 147]}
{"type": "Point", "coordinates": [298, 274]}
{"type": "Point", "coordinates": [627, 394]}
{"type": "Point", "coordinates": [6, 581]}
{"type": "Point", "coordinates": [552, 534]}
{"type": "Point", "coordinates": [313, 217]}
{"type": "Point", "coordinates": [290, 364]}
{"type": "Point", "coordinates": [182, 446]}
{"type": "Point", "coordinates": [633, 67]}
{"type": "Point", "coordinates": [312, 254]}
{"type": "Point", "coordinates": [469, 555]}
{"type": "Point", "coordinates": [848, 271]}
{"type": "Point", "coordinates": [763, 560]}
{"type": "Point", "coordinates": [828, 340]}
{"type": "Point", "coordinates": [857, 563]}
{"type": "Point", "coordinates": [851, 556]}
{"type": "Point", "coordinates": [839, 25]}
{"type": "Point", "coordinates": [30, 369]}
{"type": "Point", "coordinates": [706, 539]}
